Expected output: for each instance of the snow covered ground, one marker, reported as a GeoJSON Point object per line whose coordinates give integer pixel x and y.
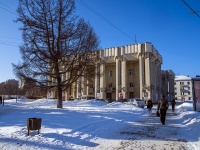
{"type": "Point", "coordinates": [97, 125]}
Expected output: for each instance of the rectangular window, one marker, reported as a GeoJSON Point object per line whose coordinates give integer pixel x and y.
{"type": "Point", "coordinates": [131, 84]}
{"type": "Point", "coordinates": [188, 83]}
{"type": "Point", "coordinates": [131, 72]}
{"type": "Point", "coordinates": [110, 73]}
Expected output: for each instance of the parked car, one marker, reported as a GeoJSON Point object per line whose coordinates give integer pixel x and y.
{"type": "Point", "coordinates": [137, 102]}
{"type": "Point", "coordinates": [87, 97]}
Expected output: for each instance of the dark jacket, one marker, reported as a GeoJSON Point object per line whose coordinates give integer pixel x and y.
{"type": "Point", "coordinates": [149, 104]}
{"type": "Point", "coordinates": [173, 102]}
{"type": "Point", "coordinates": [163, 104]}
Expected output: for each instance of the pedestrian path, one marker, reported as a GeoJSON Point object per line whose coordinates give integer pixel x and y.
{"type": "Point", "coordinates": [149, 129]}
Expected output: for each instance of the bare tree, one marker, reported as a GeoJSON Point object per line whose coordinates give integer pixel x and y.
{"type": "Point", "coordinates": [55, 42]}
{"type": "Point", "coordinates": [10, 87]}
{"type": "Point", "coordinates": [2, 85]}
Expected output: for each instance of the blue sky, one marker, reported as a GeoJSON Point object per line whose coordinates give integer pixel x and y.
{"type": "Point", "coordinates": [167, 24]}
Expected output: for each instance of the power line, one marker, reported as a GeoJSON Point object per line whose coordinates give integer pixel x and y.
{"type": "Point", "coordinates": [9, 37]}
{"type": "Point", "coordinates": [5, 43]}
{"type": "Point", "coordinates": [85, 5]}
{"type": "Point", "coordinates": [9, 42]}
{"type": "Point", "coordinates": [3, 6]}
{"type": "Point", "coordinates": [193, 11]}
{"type": "Point", "coordinates": [102, 17]}
{"type": "Point", "coordinates": [10, 10]}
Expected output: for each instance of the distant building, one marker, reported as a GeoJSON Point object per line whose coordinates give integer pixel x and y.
{"type": "Point", "coordinates": [183, 88]}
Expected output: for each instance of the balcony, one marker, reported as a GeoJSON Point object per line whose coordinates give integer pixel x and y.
{"type": "Point", "coordinates": [184, 91]}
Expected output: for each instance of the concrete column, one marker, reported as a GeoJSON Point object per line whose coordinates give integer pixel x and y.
{"type": "Point", "coordinates": [124, 79]}
{"type": "Point", "coordinates": [67, 94]}
{"type": "Point", "coordinates": [87, 86]}
{"type": "Point", "coordinates": [148, 74]}
{"type": "Point", "coordinates": [83, 86]}
{"type": "Point", "coordinates": [96, 84]}
{"type": "Point", "coordinates": [74, 91]}
{"type": "Point", "coordinates": [102, 81]}
{"type": "Point", "coordinates": [78, 88]}
{"type": "Point", "coordinates": [155, 83]}
{"type": "Point", "coordinates": [141, 75]}
{"type": "Point", "coordinates": [117, 77]}
{"type": "Point", "coordinates": [67, 90]}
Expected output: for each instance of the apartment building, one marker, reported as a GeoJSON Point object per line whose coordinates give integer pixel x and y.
{"type": "Point", "coordinates": [183, 88]}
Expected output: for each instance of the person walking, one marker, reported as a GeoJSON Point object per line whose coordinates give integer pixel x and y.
{"type": "Point", "coordinates": [0, 100]}
{"type": "Point", "coordinates": [162, 107]}
{"type": "Point", "coordinates": [173, 102]}
{"type": "Point", "coordinates": [149, 106]}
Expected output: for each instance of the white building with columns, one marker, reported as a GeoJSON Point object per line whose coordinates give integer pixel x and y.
{"type": "Point", "coordinates": [123, 72]}
{"type": "Point", "coordinates": [130, 71]}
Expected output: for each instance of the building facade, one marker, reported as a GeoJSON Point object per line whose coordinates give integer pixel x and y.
{"type": "Point", "coordinates": [122, 73]}
{"type": "Point", "coordinates": [196, 93]}
{"type": "Point", "coordinates": [136, 72]}
{"type": "Point", "coordinates": [168, 84]}
{"type": "Point", "coordinates": [183, 88]}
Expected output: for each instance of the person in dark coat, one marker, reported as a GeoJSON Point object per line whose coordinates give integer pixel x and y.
{"type": "Point", "coordinates": [162, 107]}
{"type": "Point", "coordinates": [149, 105]}
{"type": "Point", "coordinates": [0, 100]}
{"type": "Point", "coordinates": [173, 102]}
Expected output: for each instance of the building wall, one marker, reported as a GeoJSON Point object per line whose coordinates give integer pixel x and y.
{"type": "Point", "coordinates": [183, 88]}
{"type": "Point", "coordinates": [133, 78]}
{"type": "Point", "coordinates": [136, 72]}
{"type": "Point", "coordinates": [125, 72]}
{"type": "Point", "coordinates": [168, 84]}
